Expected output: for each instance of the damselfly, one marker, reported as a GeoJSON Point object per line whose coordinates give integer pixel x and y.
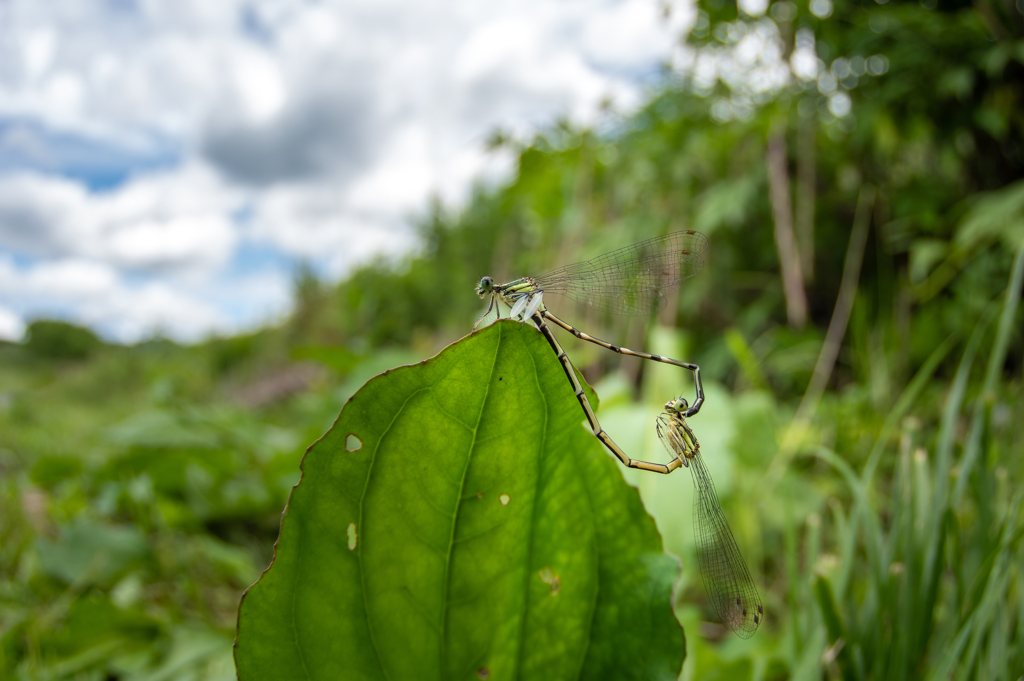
{"type": "Point", "coordinates": [726, 579]}
{"type": "Point", "coordinates": [631, 281]}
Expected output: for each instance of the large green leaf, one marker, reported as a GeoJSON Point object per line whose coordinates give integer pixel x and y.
{"type": "Point", "coordinates": [458, 522]}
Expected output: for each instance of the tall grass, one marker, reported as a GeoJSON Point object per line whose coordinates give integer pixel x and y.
{"type": "Point", "coordinates": [927, 580]}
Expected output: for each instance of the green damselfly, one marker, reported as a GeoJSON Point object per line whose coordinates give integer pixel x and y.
{"type": "Point", "coordinates": [630, 281]}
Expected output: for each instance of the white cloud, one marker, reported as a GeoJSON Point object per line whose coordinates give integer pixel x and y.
{"type": "Point", "coordinates": [12, 328]}
{"type": "Point", "coordinates": [92, 293]}
{"type": "Point", "coordinates": [38, 51]}
{"type": "Point", "coordinates": [635, 34]}
{"type": "Point", "coordinates": [259, 85]}
{"type": "Point", "coordinates": [131, 314]}
{"type": "Point", "coordinates": [325, 125]}
{"type": "Point", "coordinates": [172, 220]}
{"type": "Point", "coordinates": [42, 215]}
{"type": "Point", "coordinates": [191, 239]}
{"type": "Point", "coordinates": [314, 223]}
{"type": "Point", "coordinates": [77, 281]}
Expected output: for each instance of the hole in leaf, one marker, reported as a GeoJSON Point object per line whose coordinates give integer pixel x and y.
{"type": "Point", "coordinates": [352, 443]}
{"type": "Point", "coordinates": [353, 537]}
{"type": "Point", "coordinates": [483, 673]}
{"type": "Point", "coordinates": [551, 579]}
{"type": "Point", "coordinates": [504, 499]}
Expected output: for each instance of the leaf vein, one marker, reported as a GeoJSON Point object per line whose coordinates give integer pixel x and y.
{"type": "Point", "coordinates": [295, 630]}
{"type": "Point", "coordinates": [533, 514]}
{"type": "Point", "coordinates": [458, 504]}
{"type": "Point", "coordinates": [361, 549]}
{"type": "Point", "coordinates": [447, 413]}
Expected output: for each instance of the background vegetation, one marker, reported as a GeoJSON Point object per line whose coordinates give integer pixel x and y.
{"type": "Point", "coordinates": [857, 322]}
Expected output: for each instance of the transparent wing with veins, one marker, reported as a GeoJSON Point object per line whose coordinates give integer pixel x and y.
{"type": "Point", "coordinates": [726, 579]}
{"type": "Point", "coordinates": [633, 280]}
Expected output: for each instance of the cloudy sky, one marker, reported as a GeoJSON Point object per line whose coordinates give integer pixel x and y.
{"type": "Point", "coordinates": [165, 165]}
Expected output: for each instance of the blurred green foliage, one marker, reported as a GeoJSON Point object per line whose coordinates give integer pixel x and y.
{"type": "Point", "coordinates": [60, 340]}
{"type": "Point", "coordinates": [141, 486]}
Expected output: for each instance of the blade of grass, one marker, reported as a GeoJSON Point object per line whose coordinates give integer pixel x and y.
{"type": "Point", "coordinates": [906, 399]}
{"type": "Point", "coordinates": [903, 404]}
{"type": "Point", "coordinates": [994, 590]}
{"type": "Point", "coordinates": [873, 541]}
{"type": "Point", "coordinates": [744, 356]}
{"type": "Point", "coordinates": [995, 365]}
{"type": "Point", "coordinates": [995, 666]}
{"type": "Point", "coordinates": [794, 436]}
{"type": "Point", "coordinates": [861, 506]}
{"type": "Point", "coordinates": [1017, 661]}
{"type": "Point", "coordinates": [790, 552]}
{"type": "Point", "coordinates": [943, 670]}
{"type": "Point", "coordinates": [933, 534]}
{"type": "Point", "coordinates": [812, 544]}
{"type": "Point", "coordinates": [951, 412]}
{"type": "Point", "coordinates": [834, 626]}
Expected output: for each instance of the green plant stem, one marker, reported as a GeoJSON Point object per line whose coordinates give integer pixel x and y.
{"type": "Point", "coordinates": [833, 338]}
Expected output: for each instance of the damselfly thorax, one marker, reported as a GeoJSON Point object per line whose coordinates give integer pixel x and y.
{"type": "Point", "coordinates": [677, 435]}
{"type": "Point", "coordinates": [523, 296]}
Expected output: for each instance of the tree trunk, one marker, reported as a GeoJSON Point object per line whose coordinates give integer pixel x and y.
{"type": "Point", "coordinates": [805, 195]}
{"type": "Point", "coordinates": [785, 241]}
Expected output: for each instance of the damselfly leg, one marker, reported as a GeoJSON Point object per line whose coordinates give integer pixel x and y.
{"type": "Point", "coordinates": [581, 396]}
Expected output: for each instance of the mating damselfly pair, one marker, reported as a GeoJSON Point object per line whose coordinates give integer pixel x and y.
{"type": "Point", "coordinates": [634, 281]}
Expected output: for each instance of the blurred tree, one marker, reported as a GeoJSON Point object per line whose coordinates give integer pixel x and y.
{"type": "Point", "coordinates": [60, 340]}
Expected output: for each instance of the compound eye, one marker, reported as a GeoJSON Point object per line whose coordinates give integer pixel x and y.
{"type": "Point", "coordinates": [681, 405]}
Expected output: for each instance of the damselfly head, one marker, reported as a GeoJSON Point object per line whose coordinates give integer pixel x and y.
{"type": "Point", "coordinates": [677, 406]}
{"type": "Point", "coordinates": [485, 287]}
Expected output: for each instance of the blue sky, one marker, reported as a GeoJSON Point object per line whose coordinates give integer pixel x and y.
{"type": "Point", "coordinates": [164, 166]}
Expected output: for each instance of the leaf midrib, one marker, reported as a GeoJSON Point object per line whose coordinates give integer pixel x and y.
{"type": "Point", "coordinates": [458, 506]}
{"type": "Point", "coordinates": [533, 515]}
